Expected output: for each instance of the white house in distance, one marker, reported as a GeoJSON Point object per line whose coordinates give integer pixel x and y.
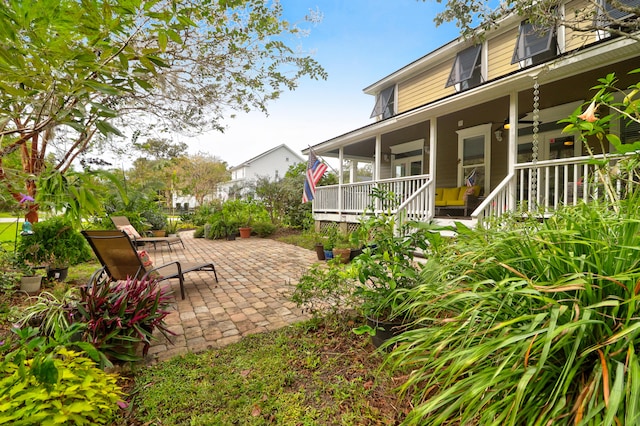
{"type": "Point", "coordinates": [273, 164]}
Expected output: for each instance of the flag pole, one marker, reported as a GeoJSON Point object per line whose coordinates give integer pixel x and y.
{"type": "Point", "coordinates": [323, 160]}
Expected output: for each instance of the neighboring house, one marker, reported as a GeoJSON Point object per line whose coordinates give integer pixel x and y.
{"type": "Point", "coordinates": [446, 115]}
{"type": "Point", "coordinates": [272, 164]}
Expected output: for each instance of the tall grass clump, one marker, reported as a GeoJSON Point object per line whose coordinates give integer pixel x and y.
{"type": "Point", "coordinates": [530, 324]}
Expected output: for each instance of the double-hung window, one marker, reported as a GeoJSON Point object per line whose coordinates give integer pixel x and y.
{"type": "Point", "coordinates": [534, 45]}
{"type": "Point", "coordinates": [385, 103]}
{"type": "Point", "coordinates": [467, 69]}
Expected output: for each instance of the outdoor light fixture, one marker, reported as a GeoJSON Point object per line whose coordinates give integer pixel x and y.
{"type": "Point", "coordinates": [507, 125]}
{"type": "Point", "coordinates": [498, 134]}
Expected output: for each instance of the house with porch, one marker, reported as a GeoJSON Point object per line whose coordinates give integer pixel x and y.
{"type": "Point", "coordinates": [487, 111]}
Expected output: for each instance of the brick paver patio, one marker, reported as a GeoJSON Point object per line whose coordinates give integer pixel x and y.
{"type": "Point", "coordinates": [255, 275]}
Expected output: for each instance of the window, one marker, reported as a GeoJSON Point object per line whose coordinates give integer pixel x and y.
{"type": "Point", "coordinates": [385, 103]}
{"type": "Point", "coordinates": [534, 45]}
{"type": "Point", "coordinates": [467, 69]}
{"type": "Point", "coordinates": [629, 132]}
{"type": "Point", "coordinates": [610, 16]}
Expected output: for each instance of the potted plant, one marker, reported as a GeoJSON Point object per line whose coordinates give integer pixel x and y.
{"type": "Point", "coordinates": [171, 227]}
{"type": "Point", "coordinates": [385, 269]}
{"type": "Point", "coordinates": [14, 271]}
{"type": "Point", "coordinates": [156, 221]}
{"type": "Point", "coordinates": [54, 244]}
{"type": "Point", "coordinates": [342, 248]}
{"type": "Point", "coordinates": [30, 281]}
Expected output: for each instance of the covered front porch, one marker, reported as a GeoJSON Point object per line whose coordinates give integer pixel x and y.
{"type": "Point", "coordinates": [533, 189]}
{"type": "Point", "coordinates": [504, 132]}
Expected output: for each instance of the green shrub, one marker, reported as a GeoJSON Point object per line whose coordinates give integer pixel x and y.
{"type": "Point", "coordinates": [326, 288]}
{"type": "Point", "coordinates": [54, 242]}
{"type": "Point", "coordinates": [264, 229]}
{"type": "Point", "coordinates": [532, 323]}
{"type": "Point", "coordinates": [43, 381]}
{"type": "Point", "coordinates": [199, 232]}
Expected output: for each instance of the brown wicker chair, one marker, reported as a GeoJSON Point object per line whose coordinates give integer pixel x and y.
{"type": "Point", "coordinates": [123, 224]}
{"type": "Point", "coordinates": [120, 260]}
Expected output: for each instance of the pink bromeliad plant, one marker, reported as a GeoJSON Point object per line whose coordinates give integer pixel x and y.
{"type": "Point", "coordinates": [121, 315]}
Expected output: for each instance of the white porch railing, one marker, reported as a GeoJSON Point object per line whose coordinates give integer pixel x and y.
{"type": "Point", "coordinates": [539, 189]}
{"type": "Point", "coordinates": [356, 198]}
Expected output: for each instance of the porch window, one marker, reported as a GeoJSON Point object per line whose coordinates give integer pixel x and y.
{"type": "Point", "coordinates": [534, 45]}
{"type": "Point", "coordinates": [630, 132]}
{"type": "Point", "coordinates": [467, 68]}
{"type": "Point", "coordinates": [385, 103]}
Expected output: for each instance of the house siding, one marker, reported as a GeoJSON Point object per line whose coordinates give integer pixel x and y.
{"type": "Point", "coordinates": [426, 87]}
{"type": "Point", "coordinates": [575, 39]}
{"type": "Point", "coordinates": [500, 52]}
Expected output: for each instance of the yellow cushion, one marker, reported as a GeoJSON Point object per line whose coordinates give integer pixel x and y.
{"type": "Point", "coordinates": [450, 194]}
{"type": "Point", "coordinates": [439, 193]}
{"type": "Point", "coordinates": [441, 203]}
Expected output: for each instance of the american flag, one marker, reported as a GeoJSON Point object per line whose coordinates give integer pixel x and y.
{"type": "Point", "coordinates": [315, 170]}
{"type": "Point", "coordinates": [471, 179]}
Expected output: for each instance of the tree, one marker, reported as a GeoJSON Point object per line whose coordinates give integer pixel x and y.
{"type": "Point", "coordinates": [200, 174]}
{"type": "Point", "coordinates": [474, 17]}
{"type": "Point", "coordinates": [72, 73]}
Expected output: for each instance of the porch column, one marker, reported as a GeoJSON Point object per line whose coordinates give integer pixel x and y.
{"type": "Point", "coordinates": [340, 178]}
{"type": "Point", "coordinates": [376, 168]}
{"type": "Point", "coordinates": [352, 171]}
{"type": "Point", "coordinates": [512, 153]}
{"type": "Point", "coordinates": [433, 139]}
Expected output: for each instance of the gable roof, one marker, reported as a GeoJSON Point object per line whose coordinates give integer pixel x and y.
{"type": "Point", "coordinates": [264, 154]}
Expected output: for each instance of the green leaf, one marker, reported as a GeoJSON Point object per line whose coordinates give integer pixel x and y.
{"type": "Point", "coordinates": [162, 40]}
{"type": "Point", "coordinates": [106, 128]}
{"type": "Point", "coordinates": [102, 88]}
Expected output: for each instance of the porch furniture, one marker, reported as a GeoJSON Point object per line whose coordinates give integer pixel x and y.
{"type": "Point", "coordinates": [465, 198]}
{"type": "Point", "coordinates": [120, 259]}
{"type": "Point", "coordinates": [123, 224]}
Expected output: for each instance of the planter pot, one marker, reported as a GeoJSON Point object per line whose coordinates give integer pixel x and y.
{"type": "Point", "coordinates": [328, 254]}
{"type": "Point", "coordinates": [354, 253]}
{"type": "Point", "coordinates": [58, 274]}
{"type": "Point", "coordinates": [31, 284]}
{"type": "Point", "coordinates": [343, 253]}
{"type": "Point", "coordinates": [231, 237]}
{"type": "Point", "coordinates": [320, 251]}
{"type": "Point", "coordinates": [245, 232]}
{"type": "Point", "coordinates": [159, 233]}
{"type": "Point", "coordinates": [385, 330]}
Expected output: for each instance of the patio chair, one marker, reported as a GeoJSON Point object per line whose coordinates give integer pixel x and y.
{"type": "Point", "coordinates": [120, 259]}
{"type": "Point", "coordinates": [123, 224]}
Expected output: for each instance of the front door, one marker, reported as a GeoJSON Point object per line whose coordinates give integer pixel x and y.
{"type": "Point", "coordinates": [474, 150]}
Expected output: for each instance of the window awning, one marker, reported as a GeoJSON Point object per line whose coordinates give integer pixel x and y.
{"type": "Point", "coordinates": [618, 14]}
{"type": "Point", "coordinates": [382, 102]}
{"type": "Point", "coordinates": [464, 65]}
{"type": "Point", "coordinates": [531, 42]}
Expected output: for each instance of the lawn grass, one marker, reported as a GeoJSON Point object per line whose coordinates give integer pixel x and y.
{"type": "Point", "coordinates": [8, 234]}
{"type": "Point", "coordinates": [312, 373]}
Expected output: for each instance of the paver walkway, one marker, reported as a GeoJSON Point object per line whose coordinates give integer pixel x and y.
{"type": "Point", "coordinates": [256, 276]}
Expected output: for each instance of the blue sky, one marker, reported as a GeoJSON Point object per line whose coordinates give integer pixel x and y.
{"type": "Point", "coordinates": [358, 42]}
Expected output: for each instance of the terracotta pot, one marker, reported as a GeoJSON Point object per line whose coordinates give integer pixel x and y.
{"type": "Point", "coordinates": [31, 284]}
{"type": "Point", "coordinates": [343, 253]}
{"type": "Point", "coordinates": [245, 232]}
{"type": "Point", "coordinates": [159, 233]}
